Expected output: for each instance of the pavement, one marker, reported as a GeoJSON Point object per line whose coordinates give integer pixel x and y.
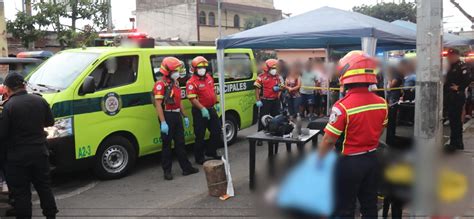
{"type": "Point", "coordinates": [145, 194]}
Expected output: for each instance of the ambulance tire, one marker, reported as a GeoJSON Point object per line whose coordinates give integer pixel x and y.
{"type": "Point", "coordinates": [115, 158]}
{"type": "Point", "coordinates": [232, 128]}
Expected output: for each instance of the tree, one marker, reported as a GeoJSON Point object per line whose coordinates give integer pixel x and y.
{"type": "Point", "coordinates": [253, 22]}
{"type": "Point", "coordinates": [389, 11]}
{"type": "Point", "coordinates": [62, 18]}
{"type": "Point", "coordinates": [464, 12]}
{"type": "Point", "coordinates": [27, 28]}
{"type": "Point", "coordinates": [65, 15]}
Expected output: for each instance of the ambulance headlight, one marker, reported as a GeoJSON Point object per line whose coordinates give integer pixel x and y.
{"type": "Point", "coordinates": [61, 128]}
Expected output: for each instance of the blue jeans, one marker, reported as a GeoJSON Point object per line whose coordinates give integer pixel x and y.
{"type": "Point", "coordinates": [294, 104]}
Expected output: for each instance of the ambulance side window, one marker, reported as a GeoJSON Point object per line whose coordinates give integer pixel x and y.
{"type": "Point", "coordinates": [115, 72]}
{"type": "Point", "coordinates": [156, 63]}
{"type": "Point", "coordinates": [237, 67]}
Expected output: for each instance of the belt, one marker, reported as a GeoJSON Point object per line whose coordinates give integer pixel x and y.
{"type": "Point", "coordinates": [264, 98]}
{"type": "Point", "coordinates": [173, 110]}
{"type": "Point", "coordinates": [360, 153]}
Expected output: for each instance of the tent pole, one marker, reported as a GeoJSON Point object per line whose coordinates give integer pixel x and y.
{"type": "Point", "coordinates": [327, 85]}
{"type": "Point", "coordinates": [385, 79]}
{"type": "Point", "coordinates": [220, 70]}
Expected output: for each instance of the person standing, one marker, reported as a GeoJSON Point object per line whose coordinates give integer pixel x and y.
{"type": "Point", "coordinates": [361, 115]}
{"type": "Point", "coordinates": [171, 112]}
{"type": "Point", "coordinates": [22, 122]}
{"type": "Point", "coordinates": [293, 85]}
{"type": "Point", "coordinates": [308, 79]}
{"type": "Point", "coordinates": [201, 94]}
{"type": "Point", "coordinates": [267, 91]}
{"type": "Point", "coordinates": [457, 79]}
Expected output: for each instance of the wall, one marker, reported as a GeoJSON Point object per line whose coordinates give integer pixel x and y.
{"type": "Point", "coordinates": [255, 3]}
{"type": "Point", "coordinates": [167, 19]}
{"type": "Point", "coordinates": [210, 33]}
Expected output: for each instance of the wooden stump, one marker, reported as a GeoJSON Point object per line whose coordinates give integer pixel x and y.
{"type": "Point", "coordinates": [216, 178]}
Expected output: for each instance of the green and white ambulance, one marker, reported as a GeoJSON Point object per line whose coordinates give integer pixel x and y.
{"type": "Point", "coordinates": [102, 100]}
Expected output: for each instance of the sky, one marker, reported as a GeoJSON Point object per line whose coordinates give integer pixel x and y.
{"type": "Point", "coordinates": [122, 10]}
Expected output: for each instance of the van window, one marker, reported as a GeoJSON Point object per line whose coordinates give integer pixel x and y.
{"type": "Point", "coordinates": [116, 71]}
{"type": "Point", "coordinates": [62, 69]}
{"type": "Point", "coordinates": [238, 66]}
{"type": "Point", "coordinates": [187, 59]}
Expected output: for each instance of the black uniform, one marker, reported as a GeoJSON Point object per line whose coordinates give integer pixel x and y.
{"type": "Point", "coordinates": [22, 123]}
{"type": "Point", "coordinates": [458, 74]}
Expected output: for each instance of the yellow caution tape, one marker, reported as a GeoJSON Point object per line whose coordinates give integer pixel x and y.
{"type": "Point", "coordinates": [337, 89]}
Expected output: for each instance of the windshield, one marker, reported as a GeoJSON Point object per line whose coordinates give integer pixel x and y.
{"type": "Point", "coordinates": [62, 69]}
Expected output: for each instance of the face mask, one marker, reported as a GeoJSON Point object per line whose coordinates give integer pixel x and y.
{"type": "Point", "coordinates": [175, 75]}
{"type": "Point", "coordinates": [201, 71]}
{"type": "Point", "coordinates": [273, 71]}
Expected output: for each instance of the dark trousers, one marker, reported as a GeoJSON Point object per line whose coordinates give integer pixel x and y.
{"type": "Point", "coordinates": [200, 125]}
{"type": "Point", "coordinates": [21, 174]}
{"type": "Point", "coordinates": [270, 107]}
{"type": "Point", "coordinates": [176, 134]}
{"type": "Point", "coordinates": [356, 177]}
{"type": "Point", "coordinates": [455, 107]}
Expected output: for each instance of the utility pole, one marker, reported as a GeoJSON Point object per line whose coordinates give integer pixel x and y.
{"type": "Point", "coordinates": [31, 45]}
{"type": "Point", "coordinates": [110, 26]}
{"type": "Point", "coordinates": [3, 32]}
{"type": "Point", "coordinates": [428, 104]}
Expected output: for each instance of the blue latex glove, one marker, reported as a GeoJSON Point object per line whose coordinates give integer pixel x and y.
{"type": "Point", "coordinates": [205, 113]}
{"type": "Point", "coordinates": [164, 128]}
{"type": "Point", "coordinates": [259, 104]}
{"type": "Point", "coordinates": [186, 122]}
{"type": "Point", "coordinates": [218, 107]}
{"type": "Point", "coordinates": [276, 88]}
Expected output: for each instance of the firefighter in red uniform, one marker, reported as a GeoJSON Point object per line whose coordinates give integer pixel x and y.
{"type": "Point", "coordinates": [171, 112]}
{"type": "Point", "coordinates": [201, 94]}
{"type": "Point", "coordinates": [268, 86]}
{"type": "Point", "coordinates": [361, 115]}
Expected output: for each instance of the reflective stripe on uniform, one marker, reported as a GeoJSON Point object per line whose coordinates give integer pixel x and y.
{"type": "Point", "coordinates": [366, 108]}
{"type": "Point", "coordinates": [159, 96]}
{"type": "Point", "coordinates": [359, 72]}
{"type": "Point", "coordinates": [345, 128]}
{"type": "Point", "coordinates": [333, 129]}
{"type": "Point", "coordinates": [192, 96]}
{"type": "Point", "coordinates": [256, 84]}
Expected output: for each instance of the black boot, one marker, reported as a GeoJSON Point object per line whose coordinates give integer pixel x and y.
{"type": "Point", "coordinates": [168, 176]}
{"type": "Point", "coordinates": [191, 170]}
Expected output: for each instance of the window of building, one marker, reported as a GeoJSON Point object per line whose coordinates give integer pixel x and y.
{"type": "Point", "coordinates": [115, 72]}
{"type": "Point", "coordinates": [202, 18]}
{"type": "Point", "coordinates": [264, 20]}
{"type": "Point", "coordinates": [212, 19]}
{"type": "Point", "coordinates": [236, 21]}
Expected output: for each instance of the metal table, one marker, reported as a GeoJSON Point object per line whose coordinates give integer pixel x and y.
{"type": "Point", "coordinates": [272, 141]}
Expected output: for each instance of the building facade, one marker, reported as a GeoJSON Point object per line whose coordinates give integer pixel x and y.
{"type": "Point", "coordinates": [196, 21]}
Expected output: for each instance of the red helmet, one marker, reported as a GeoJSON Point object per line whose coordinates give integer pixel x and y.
{"type": "Point", "coordinates": [269, 64]}
{"type": "Point", "coordinates": [357, 67]}
{"type": "Point", "coordinates": [198, 62]}
{"type": "Point", "coordinates": [169, 65]}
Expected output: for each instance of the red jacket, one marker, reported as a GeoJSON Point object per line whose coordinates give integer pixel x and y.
{"type": "Point", "coordinates": [361, 115]}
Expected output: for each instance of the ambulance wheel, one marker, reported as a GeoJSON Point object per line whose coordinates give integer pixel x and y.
{"type": "Point", "coordinates": [231, 128]}
{"type": "Point", "coordinates": [114, 158]}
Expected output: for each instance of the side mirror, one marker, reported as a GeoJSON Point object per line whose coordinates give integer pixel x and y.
{"type": "Point", "coordinates": [88, 86]}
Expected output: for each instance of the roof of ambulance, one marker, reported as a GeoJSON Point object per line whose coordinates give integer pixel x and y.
{"type": "Point", "coordinates": [172, 49]}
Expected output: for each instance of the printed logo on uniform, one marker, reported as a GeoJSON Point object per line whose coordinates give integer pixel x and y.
{"type": "Point", "coordinates": [202, 85]}
{"type": "Point", "coordinates": [159, 87]}
{"type": "Point", "coordinates": [190, 87]}
{"type": "Point", "coordinates": [335, 113]}
{"type": "Point", "coordinates": [112, 103]}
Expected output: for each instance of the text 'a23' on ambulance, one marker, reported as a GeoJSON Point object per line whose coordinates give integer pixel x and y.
{"type": "Point", "coordinates": [102, 100]}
